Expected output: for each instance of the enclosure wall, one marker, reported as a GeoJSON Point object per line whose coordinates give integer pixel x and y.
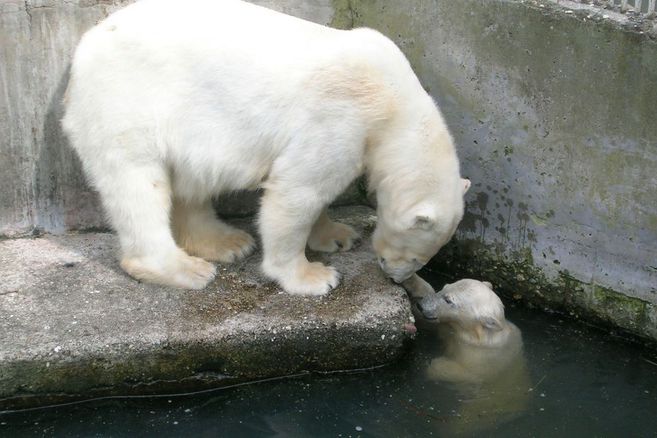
{"type": "Point", "coordinates": [554, 112]}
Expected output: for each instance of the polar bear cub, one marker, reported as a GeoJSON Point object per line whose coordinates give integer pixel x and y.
{"type": "Point", "coordinates": [480, 342]}
{"type": "Point", "coordinates": [483, 354]}
{"type": "Point", "coordinates": [472, 310]}
{"type": "Point", "coordinates": [172, 102]}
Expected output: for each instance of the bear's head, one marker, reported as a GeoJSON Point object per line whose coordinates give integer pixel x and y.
{"type": "Point", "coordinates": [467, 304]}
{"type": "Point", "coordinates": [408, 235]}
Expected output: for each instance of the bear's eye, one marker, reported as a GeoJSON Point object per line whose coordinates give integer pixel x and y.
{"type": "Point", "coordinates": [448, 300]}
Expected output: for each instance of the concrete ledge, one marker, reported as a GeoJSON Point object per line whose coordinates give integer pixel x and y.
{"type": "Point", "coordinates": [74, 325]}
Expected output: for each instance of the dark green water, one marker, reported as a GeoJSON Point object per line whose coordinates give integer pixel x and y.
{"type": "Point", "coordinates": [582, 383]}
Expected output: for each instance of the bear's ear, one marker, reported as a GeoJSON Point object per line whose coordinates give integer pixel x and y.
{"type": "Point", "coordinates": [466, 184]}
{"type": "Point", "coordinates": [422, 217]}
{"type": "Point", "coordinates": [490, 323]}
{"type": "Point", "coordinates": [488, 284]}
{"type": "Point", "coordinates": [423, 223]}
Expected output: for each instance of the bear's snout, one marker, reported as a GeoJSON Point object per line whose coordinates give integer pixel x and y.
{"type": "Point", "coordinates": [428, 307]}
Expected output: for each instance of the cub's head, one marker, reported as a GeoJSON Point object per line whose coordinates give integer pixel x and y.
{"type": "Point", "coordinates": [470, 304]}
{"type": "Point", "coordinates": [405, 240]}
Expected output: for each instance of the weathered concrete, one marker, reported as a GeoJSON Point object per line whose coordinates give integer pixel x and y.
{"type": "Point", "coordinates": [42, 183]}
{"type": "Point", "coordinates": [553, 111]}
{"type": "Point", "coordinates": [42, 187]}
{"type": "Point", "coordinates": [74, 324]}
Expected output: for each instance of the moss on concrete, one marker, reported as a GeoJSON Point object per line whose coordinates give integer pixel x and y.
{"type": "Point", "coordinates": [517, 278]}
{"type": "Point", "coordinates": [343, 15]}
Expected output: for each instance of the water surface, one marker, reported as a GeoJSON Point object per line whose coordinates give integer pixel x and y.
{"type": "Point", "coordinates": [582, 382]}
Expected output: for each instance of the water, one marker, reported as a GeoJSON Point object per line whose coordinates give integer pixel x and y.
{"type": "Point", "coordinates": [579, 382]}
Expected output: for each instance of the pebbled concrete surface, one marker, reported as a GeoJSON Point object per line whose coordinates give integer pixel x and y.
{"type": "Point", "coordinates": [74, 325]}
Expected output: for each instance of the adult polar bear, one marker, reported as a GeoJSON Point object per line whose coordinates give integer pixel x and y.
{"type": "Point", "coordinates": [171, 102]}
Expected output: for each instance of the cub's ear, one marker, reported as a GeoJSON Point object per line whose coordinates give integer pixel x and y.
{"type": "Point", "coordinates": [488, 284]}
{"type": "Point", "coordinates": [490, 323]}
{"type": "Point", "coordinates": [466, 184]}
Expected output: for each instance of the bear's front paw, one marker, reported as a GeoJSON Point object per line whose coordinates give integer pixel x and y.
{"type": "Point", "coordinates": [175, 269]}
{"type": "Point", "coordinates": [312, 279]}
{"type": "Point", "coordinates": [332, 237]}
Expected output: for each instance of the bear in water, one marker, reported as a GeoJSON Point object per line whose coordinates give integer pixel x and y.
{"type": "Point", "coordinates": [483, 352]}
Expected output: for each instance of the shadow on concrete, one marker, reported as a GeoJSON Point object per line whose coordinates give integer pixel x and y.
{"type": "Point", "coordinates": [65, 201]}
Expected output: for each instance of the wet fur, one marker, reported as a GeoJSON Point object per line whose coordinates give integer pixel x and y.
{"type": "Point", "coordinates": [483, 357]}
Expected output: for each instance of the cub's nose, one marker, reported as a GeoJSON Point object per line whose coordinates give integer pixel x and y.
{"type": "Point", "coordinates": [428, 308]}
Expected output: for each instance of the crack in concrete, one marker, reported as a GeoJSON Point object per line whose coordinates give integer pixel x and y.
{"type": "Point", "coordinates": [29, 16]}
{"type": "Point", "coordinates": [350, 10]}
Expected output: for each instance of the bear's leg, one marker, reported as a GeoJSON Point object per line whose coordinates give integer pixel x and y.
{"type": "Point", "coordinates": [447, 370]}
{"type": "Point", "coordinates": [329, 236]}
{"type": "Point", "coordinates": [418, 288]}
{"type": "Point", "coordinates": [286, 219]}
{"type": "Point", "coordinates": [198, 230]}
{"type": "Point", "coordinates": [137, 198]}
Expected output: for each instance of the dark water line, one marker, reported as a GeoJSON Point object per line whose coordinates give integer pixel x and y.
{"type": "Point", "coordinates": [190, 393]}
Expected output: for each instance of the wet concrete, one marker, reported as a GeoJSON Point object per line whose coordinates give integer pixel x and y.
{"type": "Point", "coordinates": [74, 325]}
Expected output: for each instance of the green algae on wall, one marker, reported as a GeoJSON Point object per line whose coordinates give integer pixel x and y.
{"type": "Point", "coordinates": [516, 277]}
{"type": "Point", "coordinates": [343, 17]}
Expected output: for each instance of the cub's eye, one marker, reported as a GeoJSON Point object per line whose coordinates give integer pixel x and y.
{"type": "Point", "coordinates": [447, 299]}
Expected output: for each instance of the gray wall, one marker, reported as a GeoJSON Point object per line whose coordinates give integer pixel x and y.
{"type": "Point", "coordinates": [555, 116]}
{"type": "Point", "coordinates": [42, 187]}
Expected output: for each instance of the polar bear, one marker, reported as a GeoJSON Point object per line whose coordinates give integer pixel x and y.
{"type": "Point", "coordinates": [483, 353]}
{"type": "Point", "coordinates": [172, 102]}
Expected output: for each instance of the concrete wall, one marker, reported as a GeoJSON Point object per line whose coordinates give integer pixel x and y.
{"type": "Point", "coordinates": [554, 114]}
{"type": "Point", "coordinates": [40, 179]}
{"type": "Point", "coordinates": [42, 187]}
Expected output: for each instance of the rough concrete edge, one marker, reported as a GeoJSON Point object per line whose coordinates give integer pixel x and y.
{"type": "Point", "coordinates": [166, 369]}
{"type": "Point", "coordinates": [618, 12]}
{"type": "Point", "coordinates": [204, 361]}
{"type": "Point", "coordinates": [517, 278]}
{"type": "Point", "coordinates": [640, 24]}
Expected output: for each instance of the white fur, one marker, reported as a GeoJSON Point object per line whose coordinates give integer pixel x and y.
{"type": "Point", "coordinates": [483, 356]}
{"type": "Point", "coordinates": [171, 102]}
